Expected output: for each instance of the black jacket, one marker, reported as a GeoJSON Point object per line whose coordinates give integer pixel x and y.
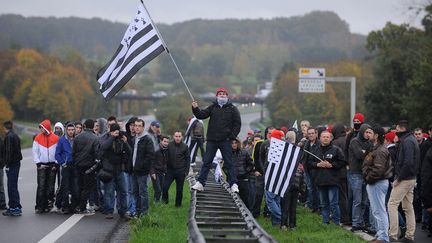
{"type": "Point", "coordinates": [244, 163]}
{"type": "Point", "coordinates": [224, 123]}
{"type": "Point", "coordinates": [2, 163]}
{"type": "Point", "coordinates": [178, 156]}
{"type": "Point", "coordinates": [328, 176]}
{"type": "Point", "coordinates": [145, 155]}
{"type": "Point", "coordinates": [408, 157]}
{"type": "Point", "coordinates": [161, 160]}
{"type": "Point", "coordinates": [12, 149]}
{"type": "Point", "coordinates": [358, 149]}
{"type": "Point", "coordinates": [306, 157]}
{"type": "Point", "coordinates": [85, 148]}
{"type": "Point", "coordinates": [426, 177]}
{"type": "Point", "coordinates": [115, 154]}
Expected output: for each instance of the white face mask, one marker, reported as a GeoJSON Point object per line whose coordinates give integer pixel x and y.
{"type": "Point", "coordinates": [222, 100]}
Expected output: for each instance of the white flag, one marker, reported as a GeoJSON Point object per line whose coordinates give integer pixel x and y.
{"type": "Point", "coordinates": [140, 44]}
{"type": "Point", "coordinates": [282, 159]}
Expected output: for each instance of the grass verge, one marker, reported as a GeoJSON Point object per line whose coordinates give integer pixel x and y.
{"type": "Point", "coordinates": [164, 222]}
{"type": "Point", "coordinates": [309, 229]}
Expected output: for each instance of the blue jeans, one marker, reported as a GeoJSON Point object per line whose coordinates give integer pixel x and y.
{"type": "Point", "coordinates": [131, 197]}
{"type": "Point", "coordinates": [210, 152]}
{"type": "Point", "coordinates": [141, 193]}
{"type": "Point", "coordinates": [116, 187]}
{"type": "Point", "coordinates": [355, 181]}
{"type": "Point", "coordinates": [329, 197]}
{"type": "Point", "coordinates": [312, 192]}
{"type": "Point", "coordinates": [377, 193]}
{"type": "Point", "coordinates": [273, 204]}
{"type": "Point", "coordinates": [12, 174]}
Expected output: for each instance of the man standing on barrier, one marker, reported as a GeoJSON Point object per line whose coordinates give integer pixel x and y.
{"type": "Point", "coordinates": [224, 126]}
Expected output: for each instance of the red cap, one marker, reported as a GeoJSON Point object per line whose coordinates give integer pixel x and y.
{"type": "Point", "coordinates": [359, 116]}
{"type": "Point", "coordinates": [277, 134]}
{"type": "Point", "coordinates": [221, 90]}
{"type": "Point", "coordinates": [284, 129]}
{"type": "Point", "coordinates": [390, 136]}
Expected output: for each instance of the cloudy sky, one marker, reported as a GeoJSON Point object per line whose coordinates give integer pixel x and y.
{"type": "Point", "coordinates": [361, 15]}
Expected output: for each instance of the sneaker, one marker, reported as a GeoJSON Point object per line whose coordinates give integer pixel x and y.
{"type": "Point", "coordinates": [284, 228]}
{"type": "Point", "coordinates": [87, 212]}
{"type": "Point", "coordinates": [109, 216]}
{"type": "Point", "coordinates": [39, 211]}
{"type": "Point", "coordinates": [12, 212]}
{"type": "Point", "coordinates": [126, 217]}
{"type": "Point", "coordinates": [55, 210]}
{"type": "Point", "coordinates": [234, 188]}
{"type": "Point", "coordinates": [406, 240]}
{"type": "Point", "coordinates": [198, 186]}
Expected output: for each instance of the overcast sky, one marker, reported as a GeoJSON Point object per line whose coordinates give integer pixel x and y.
{"type": "Point", "coordinates": [361, 15]}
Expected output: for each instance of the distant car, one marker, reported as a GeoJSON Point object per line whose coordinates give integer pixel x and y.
{"type": "Point", "coordinates": [159, 94]}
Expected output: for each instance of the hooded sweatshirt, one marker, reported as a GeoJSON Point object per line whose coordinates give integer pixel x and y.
{"type": "Point", "coordinates": [44, 145]}
{"type": "Point", "coordinates": [358, 149]}
{"type": "Point", "coordinates": [59, 124]}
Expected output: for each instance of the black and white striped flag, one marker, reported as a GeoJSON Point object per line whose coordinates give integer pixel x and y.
{"type": "Point", "coordinates": [282, 158]}
{"type": "Point", "coordinates": [140, 44]}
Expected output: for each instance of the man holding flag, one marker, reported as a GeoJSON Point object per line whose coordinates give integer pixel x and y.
{"type": "Point", "coordinates": [224, 126]}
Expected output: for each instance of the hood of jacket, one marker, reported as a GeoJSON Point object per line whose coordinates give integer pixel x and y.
{"type": "Point", "coordinates": [46, 125]}
{"type": "Point", "coordinates": [130, 121]}
{"type": "Point", "coordinates": [59, 124]}
{"type": "Point", "coordinates": [338, 130]}
{"type": "Point", "coordinates": [102, 125]}
{"type": "Point", "coordinates": [362, 130]}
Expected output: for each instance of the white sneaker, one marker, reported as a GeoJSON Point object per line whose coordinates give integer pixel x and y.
{"type": "Point", "coordinates": [198, 186]}
{"type": "Point", "coordinates": [234, 188]}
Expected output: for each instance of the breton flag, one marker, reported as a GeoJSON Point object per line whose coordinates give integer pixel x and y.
{"type": "Point", "coordinates": [282, 158]}
{"type": "Point", "coordinates": [140, 44]}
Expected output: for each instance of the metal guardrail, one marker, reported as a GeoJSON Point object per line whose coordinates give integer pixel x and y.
{"type": "Point", "coordinates": [219, 215]}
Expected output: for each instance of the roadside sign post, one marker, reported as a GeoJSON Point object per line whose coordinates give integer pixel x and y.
{"type": "Point", "coordinates": [313, 80]}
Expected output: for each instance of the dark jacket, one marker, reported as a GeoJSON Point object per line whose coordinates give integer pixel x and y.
{"type": "Point", "coordinates": [2, 163]}
{"type": "Point", "coordinates": [426, 177]}
{"type": "Point", "coordinates": [144, 157]}
{"type": "Point", "coordinates": [377, 165]}
{"type": "Point", "coordinates": [178, 156]}
{"type": "Point", "coordinates": [263, 154]}
{"type": "Point", "coordinates": [244, 163]}
{"type": "Point", "coordinates": [256, 157]}
{"type": "Point", "coordinates": [12, 149]}
{"type": "Point", "coordinates": [328, 176]}
{"type": "Point", "coordinates": [307, 157]}
{"type": "Point", "coordinates": [63, 153]}
{"type": "Point", "coordinates": [296, 179]}
{"type": "Point", "coordinates": [358, 148]}
{"type": "Point", "coordinates": [85, 149]}
{"type": "Point", "coordinates": [224, 123]}
{"type": "Point", "coordinates": [161, 160]}
{"type": "Point", "coordinates": [115, 154]}
{"type": "Point", "coordinates": [408, 157]}
{"type": "Point", "coordinates": [339, 136]}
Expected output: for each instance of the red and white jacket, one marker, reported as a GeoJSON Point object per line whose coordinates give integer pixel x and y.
{"type": "Point", "coordinates": [44, 145]}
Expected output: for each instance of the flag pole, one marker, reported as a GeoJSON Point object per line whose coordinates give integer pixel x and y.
{"type": "Point", "coordinates": [169, 53]}
{"type": "Point", "coordinates": [312, 155]}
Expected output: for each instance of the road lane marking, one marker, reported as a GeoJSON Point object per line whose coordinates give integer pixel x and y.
{"type": "Point", "coordinates": [61, 229]}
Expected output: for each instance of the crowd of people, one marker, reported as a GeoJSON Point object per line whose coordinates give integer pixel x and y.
{"type": "Point", "coordinates": [371, 178]}
{"type": "Point", "coordinates": [97, 165]}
